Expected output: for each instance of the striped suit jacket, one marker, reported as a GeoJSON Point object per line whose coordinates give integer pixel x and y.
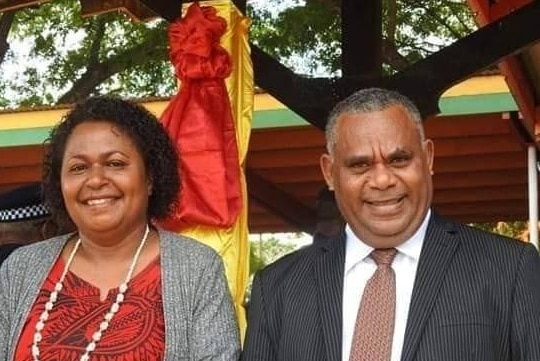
{"type": "Point", "coordinates": [476, 297]}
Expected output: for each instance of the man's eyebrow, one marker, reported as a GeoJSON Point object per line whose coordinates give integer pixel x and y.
{"type": "Point", "coordinates": [399, 153]}
{"type": "Point", "coordinates": [358, 159]}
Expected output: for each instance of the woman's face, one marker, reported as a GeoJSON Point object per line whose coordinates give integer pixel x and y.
{"type": "Point", "coordinates": [103, 179]}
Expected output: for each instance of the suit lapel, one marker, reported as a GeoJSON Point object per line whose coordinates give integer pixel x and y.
{"type": "Point", "coordinates": [439, 247]}
{"type": "Point", "coordinates": [329, 270]}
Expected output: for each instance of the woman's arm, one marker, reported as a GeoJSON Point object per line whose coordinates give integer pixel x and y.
{"type": "Point", "coordinates": [214, 335]}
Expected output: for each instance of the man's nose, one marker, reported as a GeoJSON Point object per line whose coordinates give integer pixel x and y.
{"type": "Point", "coordinates": [382, 176]}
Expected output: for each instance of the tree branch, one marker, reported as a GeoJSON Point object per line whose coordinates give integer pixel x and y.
{"type": "Point", "coordinates": [457, 13]}
{"type": "Point", "coordinates": [392, 22]}
{"type": "Point", "coordinates": [98, 27]}
{"type": "Point", "coordinates": [392, 57]}
{"type": "Point", "coordinates": [97, 73]}
{"type": "Point", "coordinates": [5, 25]}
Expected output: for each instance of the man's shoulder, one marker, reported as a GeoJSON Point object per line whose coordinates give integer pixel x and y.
{"type": "Point", "coordinates": [295, 265]}
{"type": "Point", "coordinates": [485, 242]}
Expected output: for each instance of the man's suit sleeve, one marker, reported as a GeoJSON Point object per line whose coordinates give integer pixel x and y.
{"type": "Point", "coordinates": [525, 327]}
{"type": "Point", "coordinates": [258, 344]}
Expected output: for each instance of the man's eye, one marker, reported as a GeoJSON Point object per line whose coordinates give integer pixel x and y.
{"type": "Point", "coordinates": [399, 161]}
{"type": "Point", "coordinates": [360, 167]}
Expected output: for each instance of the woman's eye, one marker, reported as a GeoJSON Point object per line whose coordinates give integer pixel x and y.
{"type": "Point", "coordinates": [116, 163]}
{"type": "Point", "coordinates": [78, 168]}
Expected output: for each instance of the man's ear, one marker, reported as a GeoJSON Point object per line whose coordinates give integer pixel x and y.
{"type": "Point", "coordinates": [326, 161]}
{"type": "Point", "coordinates": [429, 150]}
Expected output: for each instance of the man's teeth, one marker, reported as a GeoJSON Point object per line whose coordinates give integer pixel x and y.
{"type": "Point", "coordinates": [387, 202]}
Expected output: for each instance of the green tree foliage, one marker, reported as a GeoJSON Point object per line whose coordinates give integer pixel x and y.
{"type": "Point", "coordinates": [518, 229]}
{"type": "Point", "coordinates": [73, 57]}
{"type": "Point", "coordinates": [264, 252]}
{"type": "Point", "coordinates": [67, 57]}
{"type": "Point", "coordinates": [307, 36]}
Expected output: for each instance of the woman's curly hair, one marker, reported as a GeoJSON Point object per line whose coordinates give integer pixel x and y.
{"type": "Point", "coordinates": [150, 138]}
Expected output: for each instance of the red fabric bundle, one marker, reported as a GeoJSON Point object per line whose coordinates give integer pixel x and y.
{"type": "Point", "coordinates": [199, 119]}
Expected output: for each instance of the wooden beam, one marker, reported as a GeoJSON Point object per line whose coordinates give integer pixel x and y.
{"type": "Point", "coordinates": [134, 8]}
{"type": "Point", "coordinates": [494, 208]}
{"type": "Point", "coordinates": [480, 194]}
{"type": "Point", "coordinates": [512, 67]}
{"type": "Point", "coordinates": [499, 178]}
{"type": "Point", "coordinates": [313, 98]}
{"type": "Point", "coordinates": [17, 156]}
{"type": "Point", "coordinates": [170, 10]}
{"type": "Point", "coordinates": [361, 34]}
{"type": "Point", "coordinates": [480, 49]}
{"type": "Point", "coordinates": [516, 161]}
{"type": "Point", "coordinates": [301, 174]}
{"type": "Point", "coordinates": [502, 8]}
{"type": "Point", "coordinates": [304, 96]}
{"type": "Point", "coordinates": [522, 90]}
{"type": "Point", "coordinates": [24, 174]}
{"type": "Point", "coordinates": [480, 9]}
{"type": "Point", "coordinates": [280, 203]}
{"type": "Point", "coordinates": [289, 138]}
{"type": "Point", "coordinates": [6, 5]}
{"type": "Point", "coordinates": [459, 126]}
{"type": "Point", "coordinates": [284, 158]}
{"type": "Point", "coordinates": [451, 147]}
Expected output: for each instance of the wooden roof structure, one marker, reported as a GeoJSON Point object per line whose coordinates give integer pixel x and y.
{"type": "Point", "coordinates": [481, 157]}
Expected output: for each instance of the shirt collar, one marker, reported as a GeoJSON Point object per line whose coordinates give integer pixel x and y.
{"type": "Point", "coordinates": [357, 251]}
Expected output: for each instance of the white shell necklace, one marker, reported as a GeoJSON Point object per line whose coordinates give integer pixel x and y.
{"type": "Point", "coordinates": [108, 316]}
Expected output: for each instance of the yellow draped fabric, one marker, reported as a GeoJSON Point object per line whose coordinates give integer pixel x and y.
{"type": "Point", "coordinates": [232, 244]}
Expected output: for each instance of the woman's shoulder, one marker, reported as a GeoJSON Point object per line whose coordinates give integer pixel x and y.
{"type": "Point", "coordinates": [28, 264]}
{"type": "Point", "coordinates": [48, 244]}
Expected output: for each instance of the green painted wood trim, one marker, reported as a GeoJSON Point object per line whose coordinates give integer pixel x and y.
{"type": "Point", "coordinates": [477, 104]}
{"type": "Point", "coordinates": [17, 137]}
{"type": "Point", "coordinates": [278, 118]}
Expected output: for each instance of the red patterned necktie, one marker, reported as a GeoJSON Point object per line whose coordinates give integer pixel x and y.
{"type": "Point", "coordinates": [374, 328]}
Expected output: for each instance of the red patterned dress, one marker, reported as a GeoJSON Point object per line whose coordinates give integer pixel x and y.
{"type": "Point", "coordinates": [136, 333]}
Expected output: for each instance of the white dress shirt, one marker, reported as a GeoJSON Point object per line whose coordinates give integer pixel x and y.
{"type": "Point", "coordinates": [359, 268]}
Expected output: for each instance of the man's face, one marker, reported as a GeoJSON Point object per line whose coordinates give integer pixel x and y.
{"type": "Point", "coordinates": [381, 175]}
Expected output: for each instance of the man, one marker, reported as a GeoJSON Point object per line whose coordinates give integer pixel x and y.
{"type": "Point", "coordinates": [329, 221]}
{"type": "Point", "coordinates": [23, 219]}
{"type": "Point", "coordinates": [401, 283]}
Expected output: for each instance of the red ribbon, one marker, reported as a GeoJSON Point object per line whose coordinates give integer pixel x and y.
{"type": "Point", "coordinates": [200, 121]}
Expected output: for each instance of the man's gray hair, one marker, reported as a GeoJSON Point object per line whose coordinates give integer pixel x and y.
{"type": "Point", "coordinates": [370, 100]}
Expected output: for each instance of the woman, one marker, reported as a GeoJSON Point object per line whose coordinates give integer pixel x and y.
{"type": "Point", "coordinates": [118, 288]}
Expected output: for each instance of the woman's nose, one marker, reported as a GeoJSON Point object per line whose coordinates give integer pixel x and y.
{"type": "Point", "coordinates": [97, 176]}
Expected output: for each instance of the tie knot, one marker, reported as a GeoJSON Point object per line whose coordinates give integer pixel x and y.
{"type": "Point", "coordinates": [384, 256]}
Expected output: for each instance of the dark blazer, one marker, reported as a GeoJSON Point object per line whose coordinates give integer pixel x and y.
{"type": "Point", "coordinates": [476, 297]}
